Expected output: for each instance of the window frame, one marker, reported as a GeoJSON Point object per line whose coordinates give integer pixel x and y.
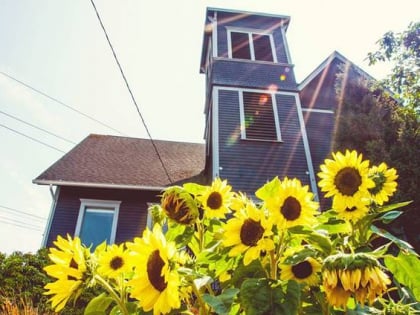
{"type": "Point", "coordinates": [105, 205]}
{"type": "Point", "coordinates": [243, 120]}
{"type": "Point", "coordinates": [250, 33]}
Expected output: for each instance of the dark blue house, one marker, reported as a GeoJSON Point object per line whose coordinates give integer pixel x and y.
{"type": "Point", "coordinates": [259, 124]}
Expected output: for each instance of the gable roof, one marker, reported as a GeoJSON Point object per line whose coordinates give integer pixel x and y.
{"type": "Point", "coordinates": [122, 162]}
{"type": "Point", "coordinates": [326, 63]}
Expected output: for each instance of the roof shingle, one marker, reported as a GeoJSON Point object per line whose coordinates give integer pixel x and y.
{"type": "Point", "coordinates": [111, 161]}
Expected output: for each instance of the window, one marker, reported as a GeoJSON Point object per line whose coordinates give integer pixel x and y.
{"type": "Point", "coordinates": [259, 119]}
{"type": "Point", "coordinates": [97, 221]}
{"type": "Point", "coordinates": [251, 45]}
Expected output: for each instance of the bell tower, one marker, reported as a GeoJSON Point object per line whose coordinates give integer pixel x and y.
{"type": "Point", "coordinates": [254, 123]}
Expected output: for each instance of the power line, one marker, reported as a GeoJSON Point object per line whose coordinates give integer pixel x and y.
{"type": "Point", "coordinates": [36, 127]}
{"type": "Point", "coordinates": [21, 212]}
{"type": "Point", "coordinates": [61, 103]}
{"type": "Point", "coordinates": [129, 90]}
{"type": "Point", "coordinates": [33, 139]}
{"type": "Point", "coordinates": [22, 225]}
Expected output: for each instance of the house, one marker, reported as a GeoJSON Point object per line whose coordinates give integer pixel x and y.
{"type": "Point", "coordinates": [260, 123]}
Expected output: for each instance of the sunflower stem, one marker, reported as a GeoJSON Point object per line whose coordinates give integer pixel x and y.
{"type": "Point", "coordinates": [203, 307]}
{"type": "Point", "coordinates": [118, 299]}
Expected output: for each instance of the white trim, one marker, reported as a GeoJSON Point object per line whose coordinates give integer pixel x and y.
{"type": "Point", "coordinates": [276, 116]}
{"type": "Point", "coordinates": [316, 110]}
{"type": "Point", "coordinates": [50, 216]}
{"type": "Point", "coordinates": [286, 46]}
{"type": "Point", "coordinates": [250, 32]}
{"type": "Point", "coordinates": [214, 35]}
{"type": "Point", "coordinates": [241, 114]}
{"type": "Point", "coordinates": [312, 178]}
{"type": "Point", "coordinates": [215, 131]}
{"type": "Point", "coordinates": [96, 185]}
{"type": "Point", "coordinates": [109, 205]}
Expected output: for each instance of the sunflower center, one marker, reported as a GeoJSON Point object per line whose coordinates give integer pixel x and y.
{"type": "Point", "coordinates": [154, 271]}
{"type": "Point", "coordinates": [291, 209]}
{"type": "Point", "coordinates": [178, 210]}
{"type": "Point", "coordinates": [251, 232]}
{"type": "Point", "coordinates": [116, 263]}
{"type": "Point", "coordinates": [214, 201]}
{"type": "Point", "coordinates": [302, 270]}
{"type": "Point", "coordinates": [348, 181]}
{"type": "Point", "coordinates": [379, 179]}
{"type": "Point", "coordinates": [352, 209]}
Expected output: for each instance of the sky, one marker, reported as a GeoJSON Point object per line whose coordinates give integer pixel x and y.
{"type": "Point", "coordinates": [59, 49]}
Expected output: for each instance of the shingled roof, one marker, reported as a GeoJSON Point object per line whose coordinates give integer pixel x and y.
{"type": "Point", "coordinates": [122, 162]}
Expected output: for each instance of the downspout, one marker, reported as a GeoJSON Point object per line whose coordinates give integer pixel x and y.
{"type": "Point", "coordinates": [54, 196]}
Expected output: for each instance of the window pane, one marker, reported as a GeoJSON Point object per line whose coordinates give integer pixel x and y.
{"type": "Point", "coordinates": [96, 226]}
{"type": "Point", "coordinates": [262, 47]}
{"type": "Point", "coordinates": [259, 116]}
{"type": "Point", "coordinates": [240, 45]}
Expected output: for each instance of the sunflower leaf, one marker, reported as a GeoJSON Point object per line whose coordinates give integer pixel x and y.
{"type": "Point", "coordinates": [98, 305]}
{"type": "Point", "coordinates": [390, 216]}
{"type": "Point", "coordinates": [393, 206]}
{"type": "Point", "coordinates": [400, 243]}
{"type": "Point", "coordinates": [269, 189]}
{"type": "Point", "coordinates": [223, 302]}
{"type": "Point", "coordinates": [406, 269]}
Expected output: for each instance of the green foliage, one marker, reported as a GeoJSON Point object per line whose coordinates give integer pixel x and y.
{"type": "Point", "coordinates": [375, 124]}
{"type": "Point", "coordinates": [22, 278]}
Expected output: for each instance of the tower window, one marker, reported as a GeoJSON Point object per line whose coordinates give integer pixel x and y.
{"type": "Point", "coordinates": [259, 116]}
{"type": "Point", "coordinates": [251, 45]}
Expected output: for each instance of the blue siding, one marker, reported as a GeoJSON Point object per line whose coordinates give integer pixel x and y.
{"type": "Point", "coordinates": [250, 22]}
{"type": "Point", "coordinates": [132, 215]}
{"type": "Point", "coordinates": [248, 164]}
{"type": "Point", "coordinates": [246, 73]}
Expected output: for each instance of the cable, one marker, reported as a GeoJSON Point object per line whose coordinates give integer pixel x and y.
{"type": "Point", "coordinates": [61, 103]}
{"type": "Point", "coordinates": [22, 225]}
{"type": "Point", "coordinates": [39, 128]}
{"type": "Point", "coordinates": [33, 139]}
{"type": "Point", "coordinates": [129, 90]}
{"type": "Point", "coordinates": [22, 212]}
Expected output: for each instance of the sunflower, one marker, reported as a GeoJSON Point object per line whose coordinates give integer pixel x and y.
{"type": "Point", "coordinates": [305, 271]}
{"type": "Point", "coordinates": [216, 199]}
{"type": "Point", "coordinates": [155, 282]}
{"type": "Point", "coordinates": [69, 269]}
{"type": "Point", "coordinates": [179, 205]}
{"type": "Point", "coordinates": [385, 183]}
{"type": "Point", "coordinates": [356, 274]}
{"type": "Point", "coordinates": [346, 178]}
{"type": "Point", "coordinates": [112, 260]}
{"type": "Point", "coordinates": [353, 213]}
{"type": "Point", "coordinates": [292, 204]}
{"type": "Point", "coordinates": [248, 232]}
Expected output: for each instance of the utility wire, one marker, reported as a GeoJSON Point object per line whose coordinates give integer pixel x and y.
{"type": "Point", "coordinates": [61, 103]}
{"type": "Point", "coordinates": [22, 225]}
{"type": "Point", "coordinates": [131, 93]}
{"type": "Point", "coordinates": [22, 212]}
{"type": "Point", "coordinates": [33, 139]}
{"type": "Point", "coordinates": [36, 127]}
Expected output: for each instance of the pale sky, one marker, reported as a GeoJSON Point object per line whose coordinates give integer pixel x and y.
{"type": "Point", "coordinates": [59, 48]}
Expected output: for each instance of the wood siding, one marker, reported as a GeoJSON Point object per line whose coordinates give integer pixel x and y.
{"type": "Point", "coordinates": [226, 19]}
{"type": "Point", "coordinates": [248, 164]}
{"type": "Point", "coordinates": [132, 214]}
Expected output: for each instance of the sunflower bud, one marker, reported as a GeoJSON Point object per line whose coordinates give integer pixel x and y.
{"type": "Point", "coordinates": [357, 274]}
{"type": "Point", "coordinates": [179, 206]}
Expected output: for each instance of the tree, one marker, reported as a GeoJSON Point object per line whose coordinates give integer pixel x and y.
{"type": "Point", "coordinates": [403, 50]}
{"type": "Point", "coordinates": [386, 126]}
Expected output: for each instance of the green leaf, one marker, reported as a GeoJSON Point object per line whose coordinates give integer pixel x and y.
{"type": "Point", "coordinates": [194, 188]}
{"type": "Point", "coordinates": [98, 305]}
{"type": "Point", "coordinates": [406, 269]}
{"type": "Point", "coordinates": [223, 302]}
{"type": "Point", "coordinates": [269, 189]}
{"type": "Point", "coordinates": [400, 243]}
{"type": "Point", "coordinates": [393, 206]}
{"type": "Point", "coordinates": [260, 296]}
{"type": "Point", "coordinates": [390, 216]}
